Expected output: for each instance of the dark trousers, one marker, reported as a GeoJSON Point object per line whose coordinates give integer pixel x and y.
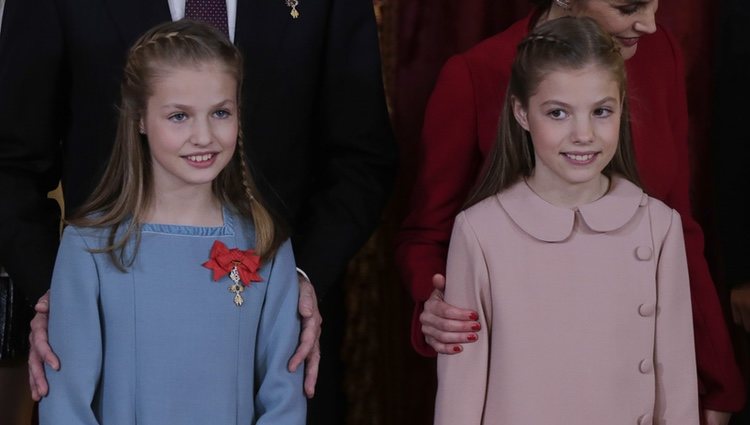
{"type": "Point", "coordinates": [329, 406]}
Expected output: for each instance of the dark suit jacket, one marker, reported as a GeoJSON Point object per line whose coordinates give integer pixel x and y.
{"type": "Point", "coordinates": [29, 152]}
{"type": "Point", "coordinates": [730, 141]}
{"type": "Point", "coordinates": [315, 119]}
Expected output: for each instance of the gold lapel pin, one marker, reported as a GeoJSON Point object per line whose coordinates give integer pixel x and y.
{"type": "Point", "coordinates": [293, 4]}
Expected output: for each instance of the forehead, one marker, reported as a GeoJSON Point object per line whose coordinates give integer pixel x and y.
{"type": "Point", "coordinates": [163, 67]}
{"type": "Point", "coordinates": [190, 85]}
{"type": "Point", "coordinates": [592, 82]}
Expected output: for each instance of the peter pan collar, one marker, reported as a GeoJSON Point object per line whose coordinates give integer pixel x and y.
{"type": "Point", "coordinates": [551, 223]}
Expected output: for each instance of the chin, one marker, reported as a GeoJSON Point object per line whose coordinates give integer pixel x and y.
{"type": "Point", "coordinates": [628, 52]}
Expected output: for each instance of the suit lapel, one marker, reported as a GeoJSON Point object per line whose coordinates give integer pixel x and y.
{"type": "Point", "coordinates": [8, 19]}
{"type": "Point", "coordinates": [134, 17]}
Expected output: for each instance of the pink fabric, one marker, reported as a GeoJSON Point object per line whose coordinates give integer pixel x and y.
{"type": "Point", "coordinates": [586, 315]}
{"type": "Point", "coordinates": [462, 122]}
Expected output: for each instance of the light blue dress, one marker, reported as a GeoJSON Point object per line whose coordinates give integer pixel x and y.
{"type": "Point", "coordinates": [165, 344]}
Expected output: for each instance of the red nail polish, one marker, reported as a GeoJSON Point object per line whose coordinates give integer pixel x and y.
{"type": "Point", "coordinates": [476, 327]}
{"type": "Point", "coordinates": [472, 337]}
{"type": "Point", "coordinates": [473, 316]}
{"type": "Point", "coordinates": [456, 349]}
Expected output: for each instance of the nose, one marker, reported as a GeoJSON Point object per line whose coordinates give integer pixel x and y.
{"type": "Point", "coordinates": [201, 134]}
{"type": "Point", "coordinates": [646, 24]}
{"type": "Point", "coordinates": [583, 132]}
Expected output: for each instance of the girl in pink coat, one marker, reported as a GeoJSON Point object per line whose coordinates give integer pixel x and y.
{"type": "Point", "coordinates": [579, 278]}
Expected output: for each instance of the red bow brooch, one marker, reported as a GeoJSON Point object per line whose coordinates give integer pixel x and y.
{"type": "Point", "coordinates": [241, 266]}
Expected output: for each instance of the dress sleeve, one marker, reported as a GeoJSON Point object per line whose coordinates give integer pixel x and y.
{"type": "Point", "coordinates": [279, 399]}
{"type": "Point", "coordinates": [718, 374]}
{"type": "Point", "coordinates": [74, 334]}
{"type": "Point", "coordinates": [462, 378]}
{"type": "Point", "coordinates": [674, 359]}
{"type": "Point", "coordinates": [447, 165]}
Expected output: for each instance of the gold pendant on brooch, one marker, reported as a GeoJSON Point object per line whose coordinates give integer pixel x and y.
{"type": "Point", "coordinates": [236, 288]}
{"type": "Point", "coordinates": [293, 4]}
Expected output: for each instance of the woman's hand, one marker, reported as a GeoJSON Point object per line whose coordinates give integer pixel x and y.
{"type": "Point", "coordinates": [712, 417]}
{"type": "Point", "coordinates": [444, 326]}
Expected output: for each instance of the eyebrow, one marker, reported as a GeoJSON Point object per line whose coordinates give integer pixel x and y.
{"type": "Point", "coordinates": [224, 102]}
{"type": "Point", "coordinates": [560, 103]}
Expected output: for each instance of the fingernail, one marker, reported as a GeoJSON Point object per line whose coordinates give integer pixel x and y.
{"type": "Point", "coordinates": [473, 316]}
{"type": "Point", "coordinates": [457, 349]}
{"type": "Point", "coordinates": [472, 337]}
{"type": "Point", "coordinates": [476, 327]}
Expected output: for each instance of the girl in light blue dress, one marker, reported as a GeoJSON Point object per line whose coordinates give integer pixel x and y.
{"type": "Point", "coordinates": [175, 291]}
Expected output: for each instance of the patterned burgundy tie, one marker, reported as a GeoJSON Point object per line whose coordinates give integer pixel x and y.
{"type": "Point", "coordinates": [212, 12]}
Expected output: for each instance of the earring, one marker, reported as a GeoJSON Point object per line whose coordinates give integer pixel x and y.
{"type": "Point", "coordinates": [565, 4]}
{"type": "Point", "coordinates": [141, 129]}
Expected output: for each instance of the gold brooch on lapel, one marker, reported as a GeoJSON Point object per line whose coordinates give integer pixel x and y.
{"type": "Point", "coordinates": [293, 4]}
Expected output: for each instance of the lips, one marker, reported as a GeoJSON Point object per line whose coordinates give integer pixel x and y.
{"type": "Point", "coordinates": [200, 157]}
{"type": "Point", "coordinates": [580, 158]}
{"type": "Point", "coordinates": [628, 41]}
{"type": "Point", "coordinates": [201, 160]}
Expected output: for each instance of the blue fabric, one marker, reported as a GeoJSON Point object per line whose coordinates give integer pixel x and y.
{"type": "Point", "coordinates": [163, 343]}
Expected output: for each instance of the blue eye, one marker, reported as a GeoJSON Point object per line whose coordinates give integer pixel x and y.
{"type": "Point", "coordinates": [178, 117]}
{"type": "Point", "coordinates": [222, 113]}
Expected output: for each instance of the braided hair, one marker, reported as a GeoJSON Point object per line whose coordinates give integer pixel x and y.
{"type": "Point", "coordinates": [123, 196]}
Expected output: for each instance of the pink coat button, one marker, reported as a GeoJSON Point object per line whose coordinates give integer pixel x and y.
{"type": "Point", "coordinates": [643, 252]}
{"type": "Point", "coordinates": [646, 366]}
{"type": "Point", "coordinates": [646, 419]}
{"type": "Point", "coordinates": [646, 310]}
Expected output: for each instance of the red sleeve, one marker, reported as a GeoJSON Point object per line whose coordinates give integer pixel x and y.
{"type": "Point", "coordinates": [448, 162]}
{"type": "Point", "coordinates": [720, 382]}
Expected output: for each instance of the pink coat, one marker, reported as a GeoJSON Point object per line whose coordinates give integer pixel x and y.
{"type": "Point", "coordinates": [585, 314]}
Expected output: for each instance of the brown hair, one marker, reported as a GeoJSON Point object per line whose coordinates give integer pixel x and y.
{"type": "Point", "coordinates": [126, 190]}
{"type": "Point", "coordinates": [566, 43]}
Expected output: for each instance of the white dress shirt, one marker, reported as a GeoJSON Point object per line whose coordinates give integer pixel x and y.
{"type": "Point", "coordinates": [2, 7]}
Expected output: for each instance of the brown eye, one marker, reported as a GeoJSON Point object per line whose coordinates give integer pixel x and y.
{"type": "Point", "coordinates": [557, 114]}
{"type": "Point", "coordinates": [602, 112]}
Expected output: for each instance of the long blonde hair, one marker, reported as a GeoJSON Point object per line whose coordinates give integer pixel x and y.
{"type": "Point", "coordinates": [566, 43]}
{"type": "Point", "coordinates": [121, 199]}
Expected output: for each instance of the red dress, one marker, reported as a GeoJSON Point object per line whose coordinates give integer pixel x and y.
{"type": "Point", "coordinates": [460, 127]}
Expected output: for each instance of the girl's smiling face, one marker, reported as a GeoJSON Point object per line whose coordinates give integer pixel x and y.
{"type": "Point", "coordinates": [191, 122]}
{"type": "Point", "coordinates": [573, 118]}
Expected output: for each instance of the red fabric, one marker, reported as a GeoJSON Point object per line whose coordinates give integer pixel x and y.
{"type": "Point", "coordinates": [429, 32]}
{"type": "Point", "coordinates": [222, 260]}
{"type": "Point", "coordinates": [460, 126]}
